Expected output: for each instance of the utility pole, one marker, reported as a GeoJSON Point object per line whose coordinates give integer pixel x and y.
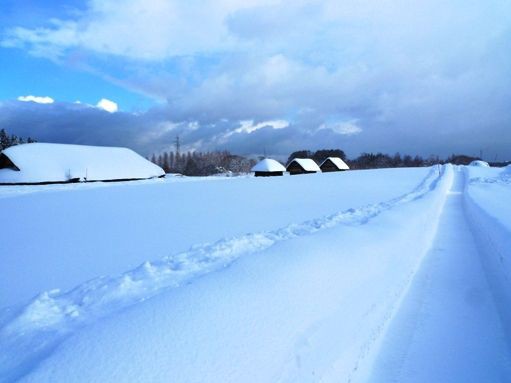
{"type": "Point", "coordinates": [178, 145]}
{"type": "Point", "coordinates": [178, 160]}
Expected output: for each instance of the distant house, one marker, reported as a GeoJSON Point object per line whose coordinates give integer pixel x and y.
{"type": "Point", "coordinates": [333, 164]}
{"type": "Point", "coordinates": [268, 168]}
{"type": "Point", "coordinates": [41, 163]}
{"type": "Point", "coordinates": [479, 163]}
{"type": "Point", "coordinates": [302, 166]}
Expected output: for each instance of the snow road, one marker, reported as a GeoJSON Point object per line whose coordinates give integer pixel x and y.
{"type": "Point", "coordinates": [448, 328]}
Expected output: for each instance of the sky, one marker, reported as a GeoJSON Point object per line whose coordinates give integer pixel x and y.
{"type": "Point", "coordinates": [425, 77]}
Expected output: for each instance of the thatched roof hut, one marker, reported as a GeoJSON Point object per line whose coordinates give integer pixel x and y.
{"type": "Point", "coordinates": [302, 166]}
{"type": "Point", "coordinates": [268, 168]}
{"type": "Point", "coordinates": [333, 164]}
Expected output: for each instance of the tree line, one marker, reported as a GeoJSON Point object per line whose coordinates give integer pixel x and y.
{"type": "Point", "coordinates": [216, 162]}
{"type": "Point", "coordinates": [381, 160]}
{"type": "Point", "coordinates": [209, 163]}
{"type": "Point", "coordinates": [7, 140]}
{"type": "Point", "coordinates": [367, 160]}
{"type": "Point", "coordinates": [203, 163]}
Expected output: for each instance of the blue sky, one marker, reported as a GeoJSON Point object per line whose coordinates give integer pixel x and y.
{"type": "Point", "coordinates": [26, 75]}
{"type": "Point", "coordinates": [423, 77]}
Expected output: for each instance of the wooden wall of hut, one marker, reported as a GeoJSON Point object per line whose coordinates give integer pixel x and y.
{"type": "Point", "coordinates": [268, 174]}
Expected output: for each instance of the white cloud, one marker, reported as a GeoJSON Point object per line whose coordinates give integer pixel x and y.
{"type": "Point", "coordinates": [139, 29]}
{"type": "Point", "coordinates": [248, 126]}
{"type": "Point", "coordinates": [107, 105]}
{"type": "Point", "coordinates": [37, 99]}
{"type": "Point", "coordinates": [345, 128]}
{"type": "Point", "coordinates": [194, 125]}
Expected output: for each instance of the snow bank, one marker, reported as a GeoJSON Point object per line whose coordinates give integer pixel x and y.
{"type": "Point", "coordinates": [270, 315]}
{"type": "Point", "coordinates": [489, 214]}
{"type": "Point", "coordinates": [42, 162]}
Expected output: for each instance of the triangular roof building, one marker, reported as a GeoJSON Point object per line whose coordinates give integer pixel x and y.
{"type": "Point", "coordinates": [268, 167]}
{"type": "Point", "coordinates": [333, 164]}
{"type": "Point", "coordinates": [40, 163]}
{"type": "Point", "coordinates": [303, 166]}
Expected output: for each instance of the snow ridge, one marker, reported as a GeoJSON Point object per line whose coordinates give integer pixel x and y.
{"type": "Point", "coordinates": [504, 178]}
{"type": "Point", "coordinates": [29, 333]}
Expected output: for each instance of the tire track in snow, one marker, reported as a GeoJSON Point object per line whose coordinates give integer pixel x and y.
{"type": "Point", "coordinates": [29, 333]}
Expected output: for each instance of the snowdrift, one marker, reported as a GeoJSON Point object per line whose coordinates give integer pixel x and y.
{"type": "Point", "coordinates": [37, 163]}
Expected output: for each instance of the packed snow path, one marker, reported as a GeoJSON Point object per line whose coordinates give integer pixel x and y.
{"type": "Point", "coordinates": [448, 328]}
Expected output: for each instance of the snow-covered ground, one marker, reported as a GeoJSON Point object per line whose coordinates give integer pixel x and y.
{"type": "Point", "coordinates": [62, 235]}
{"type": "Point", "coordinates": [364, 276]}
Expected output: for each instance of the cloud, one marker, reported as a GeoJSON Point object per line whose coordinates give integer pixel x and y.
{"type": "Point", "coordinates": [425, 77]}
{"type": "Point", "coordinates": [138, 29]}
{"type": "Point", "coordinates": [107, 105]}
{"type": "Point", "coordinates": [63, 122]}
{"type": "Point", "coordinates": [37, 99]}
{"type": "Point", "coordinates": [248, 126]}
{"type": "Point", "coordinates": [346, 128]}
{"type": "Point", "coordinates": [155, 130]}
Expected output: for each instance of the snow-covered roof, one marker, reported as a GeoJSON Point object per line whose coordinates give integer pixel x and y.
{"type": "Point", "coordinates": [337, 162]}
{"type": "Point", "coordinates": [42, 162]}
{"type": "Point", "coordinates": [480, 163]}
{"type": "Point", "coordinates": [268, 165]}
{"type": "Point", "coordinates": [307, 164]}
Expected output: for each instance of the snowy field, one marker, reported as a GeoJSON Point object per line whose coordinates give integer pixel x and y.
{"type": "Point", "coordinates": [397, 275]}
